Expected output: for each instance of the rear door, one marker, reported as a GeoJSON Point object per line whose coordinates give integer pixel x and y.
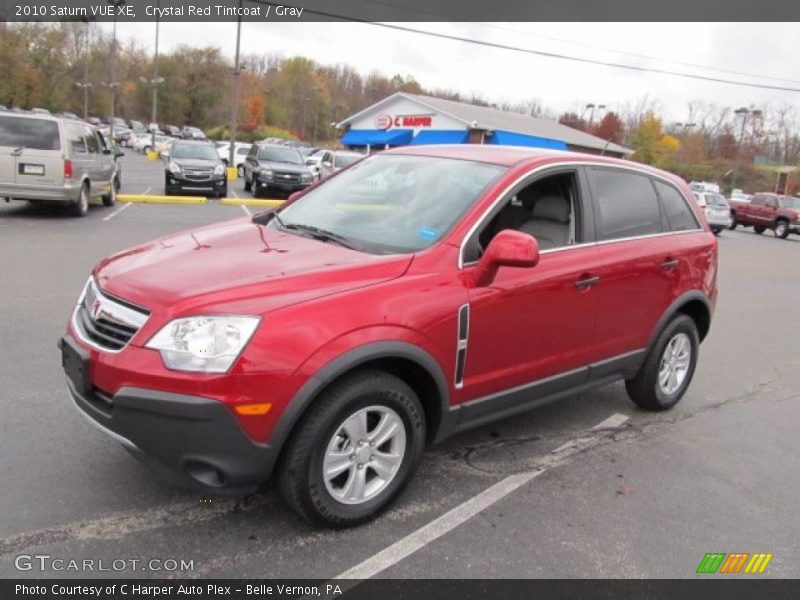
{"type": "Point", "coordinates": [30, 150]}
{"type": "Point", "coordinates": [642, 264]}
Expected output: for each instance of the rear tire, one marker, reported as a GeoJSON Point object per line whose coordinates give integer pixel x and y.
{"type": "Point", "coordinates": [781, 229]}
{"type": "Point", "coordinates": [716, 230]}
{"type": "Point", "coordinates": [759, 229]}
{"type": "Point", "coordinates": [668, 369]}
{"type": "Point", "coordinates": [81, 207]}
{"type": "Point", "coordinates": [354, 450]}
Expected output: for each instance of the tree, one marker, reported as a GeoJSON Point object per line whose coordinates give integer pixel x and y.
{"type": "Point", "coordinates": [571, 119]}
{"type": "Point", "coordinates": [610, 128]}
{"type": "Point", "coordinates": [651, 145]}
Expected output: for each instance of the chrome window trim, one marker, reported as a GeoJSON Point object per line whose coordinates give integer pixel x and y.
{"type": "Point", "coordinates": [113, 309]}
{"type": "Point", "coordinates": [480, 221]}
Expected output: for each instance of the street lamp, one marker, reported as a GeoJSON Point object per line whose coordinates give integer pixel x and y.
{"type": "Point", "coordinates": [113, 85]}
{"type": "Point", "coordinates": [85, 85]}
{"type": "Point", "coordinates": [591, 107]}
{"type": "Point", "coordinates": [744, 113]}
{"type": "Point", "coordinates": [237, 70]}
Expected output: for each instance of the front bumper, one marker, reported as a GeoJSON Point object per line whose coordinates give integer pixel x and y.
{"type": "Point", "coordinates": [176, 183]}
{"type": "Point", "coordinates": [280, 186]}
{"type": "Point", "coordinates": [192, 441]}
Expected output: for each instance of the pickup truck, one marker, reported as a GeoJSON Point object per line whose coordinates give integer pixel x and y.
{"type": "Point", "coordinates": [768, 211]}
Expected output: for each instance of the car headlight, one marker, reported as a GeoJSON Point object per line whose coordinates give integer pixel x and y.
{"type": "Point", "coordinates": [174, 168]}
{"type": "Point", "coordinates": [305, 177]}
{"type": "Point", "coordinates": [265, 173]}
{"type": "Point", "coordinates": [219, 169]}
{"type": "Point", "coordinates": [207, 344]}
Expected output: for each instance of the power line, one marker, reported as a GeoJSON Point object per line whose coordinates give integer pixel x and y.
{"type": "Point", "coordinates": [581, 44]}
{"type": "Point", "coordinates": [543, 53]}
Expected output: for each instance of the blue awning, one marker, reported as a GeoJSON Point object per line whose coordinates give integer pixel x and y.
{"type": "Point", "coordinates": [441, 136]}
{"type": "Point", "coordinates": [377, 137]}
{"type": "Point", "coordinates": [509, 138]}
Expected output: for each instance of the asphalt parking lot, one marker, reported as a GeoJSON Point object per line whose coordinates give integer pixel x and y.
{"type": "Point", "coordinates": [642, 495]}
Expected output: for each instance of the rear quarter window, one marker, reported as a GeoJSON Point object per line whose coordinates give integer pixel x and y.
{"type": "Point", "coordinates": [625, 204]}
{"type": "Point", "coordinates": [679, 215]}
{"type": "Point", "coordinates": [36, 134]}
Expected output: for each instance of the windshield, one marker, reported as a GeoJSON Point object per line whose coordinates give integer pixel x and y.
{"type": "Point", "coordinates": [198, 151]}
{"type": "Point", "coordinates": [789, 202]}
{"type": "Point", "coordinates": [281, 155]}
{"type": "Point", "coordinates": [716, 200]}
{"type": "Point", "coordinates": [340, 161]}
{"type": "Point", "coordinates": [389, 204]}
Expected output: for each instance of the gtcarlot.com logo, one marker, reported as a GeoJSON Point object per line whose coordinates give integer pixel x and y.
{"type": "Point", "coordinates": [736, 562]}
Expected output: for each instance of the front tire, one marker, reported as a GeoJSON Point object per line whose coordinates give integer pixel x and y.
{"type": "Point", "coordinates": [110, 199]}
{"type": "Point", "coordinates": [668, 368]}
{"type": "Point", "coordinates": [781, 229]}
{"type": "Point", "coordinates": [733, 224]}
{"type": "Point", "coordinates": [354, 450]}
{"type": "Point", "coordinates": [716, 230]}
{"type": "Point", "coordinates": [247, 184]}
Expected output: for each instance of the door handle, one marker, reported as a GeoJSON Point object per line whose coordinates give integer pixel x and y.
{"type": "Point", "coordinates": [670, 263]}
{"type": "Point", "coordinates": [587, 282]}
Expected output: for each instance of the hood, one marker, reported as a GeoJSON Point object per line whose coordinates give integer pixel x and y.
{"type": "Point", "coordinates": [238, 267]}
{"type": "Point", "coordinates": [197, 163]}
{"type": "Point", "coordinates": [282, 166]}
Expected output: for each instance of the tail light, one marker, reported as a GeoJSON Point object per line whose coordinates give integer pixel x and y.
{"type": "Point", "coordinates": [67, 169]}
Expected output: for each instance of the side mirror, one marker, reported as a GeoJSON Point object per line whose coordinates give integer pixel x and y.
{"type": "Point", "coordinates": [107, 151]}
{"type": "Point", "coordinates": [509, 248]}
{"type": "Point", "coordinates": [117, 152]}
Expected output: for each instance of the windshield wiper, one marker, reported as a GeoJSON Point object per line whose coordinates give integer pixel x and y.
{"type": "Point", "coordinates": [322, 235]}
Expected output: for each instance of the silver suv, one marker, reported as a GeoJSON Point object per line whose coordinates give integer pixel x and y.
{"type": "Point", "coordinates": [51, 159]}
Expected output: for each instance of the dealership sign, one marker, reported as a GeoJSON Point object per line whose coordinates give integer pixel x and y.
{"type": "Point", "coordinates": [389, 121]}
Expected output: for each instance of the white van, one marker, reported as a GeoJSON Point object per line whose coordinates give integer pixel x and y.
{"type": "Point", "coordinates": [44, 158]}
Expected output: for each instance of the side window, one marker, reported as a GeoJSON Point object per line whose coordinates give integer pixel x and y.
{"type": "Point", "coordinates": [625, 204]}
{"type": "Point", "coordinates": [75, 138]}
{"type": "Point", "coordinates": [253, 150]}
{"type": "Point", "coordinates": [770, 202]}
{"type": "Point", "coordinates": [545, 208]}
{"type": "Point", "coordinates": [758, 199]}
{"type": "Point", "coordinates": [92, 145]}
{"type": "Point", "coordinates": [679, 216]}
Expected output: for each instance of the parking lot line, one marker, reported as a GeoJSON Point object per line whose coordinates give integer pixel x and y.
{"type": "Point", "coordinates": [246, 210]}
{"type": "Point", "coordinates": [116, 212]}
{"type": "Point", "coordinates": [463, 512]}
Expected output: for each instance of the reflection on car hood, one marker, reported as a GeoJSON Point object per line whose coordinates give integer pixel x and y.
{"type": "Point", "coordinates": [281, 166]}
{"type": "Point", "coordinates": [238, 267]}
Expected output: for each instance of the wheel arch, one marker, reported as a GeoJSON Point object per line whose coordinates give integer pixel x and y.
{"type": "Point", "coordinates": [693, 304]}
{"type": "Point", "coordinates": [416, 367]}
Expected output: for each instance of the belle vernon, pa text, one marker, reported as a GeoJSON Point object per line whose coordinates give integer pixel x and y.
{"type": "Point", "coordinates": [136, 589]}
{"type": "Point", "coordinates": [187, 10]}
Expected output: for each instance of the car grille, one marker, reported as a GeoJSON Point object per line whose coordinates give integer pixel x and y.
{"type": "Point", "coordinates": [105, 322]}
{"type": "Point", "coordinates": [198, 174]}
{"type": "Point", "coordinates": [286, 177]}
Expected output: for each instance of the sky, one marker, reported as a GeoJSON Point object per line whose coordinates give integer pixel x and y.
{"type": "Point", "coordinates": [766, 52]}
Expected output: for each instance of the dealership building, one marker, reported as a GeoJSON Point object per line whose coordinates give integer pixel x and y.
{"type": "Point", "coordinates": [408, 119]}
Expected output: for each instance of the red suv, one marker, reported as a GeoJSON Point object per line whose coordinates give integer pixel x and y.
{"type": "Point", "coordinates": [418, 293]}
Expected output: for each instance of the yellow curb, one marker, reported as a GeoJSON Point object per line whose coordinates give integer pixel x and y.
{"type": "Point", "coordinates": [251, 202]}
{"type": "Point", "coordinates": [147, 199]}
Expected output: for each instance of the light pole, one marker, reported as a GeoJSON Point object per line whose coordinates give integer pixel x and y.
{"type": "Point", "coordinates": [85, 85]}
{"type": "Point", "coordinates": [591, 107]}
{"type": "Point", "coordinates": [684, 133]}
{"type": "Point", "coordinates": [155, 82]}
{"type": "Point", "coordinates": [744, 113]}
{"type": "Point", "coordinates": [235, 108]}
{"type": "Point", "coordinates": [113, 85]}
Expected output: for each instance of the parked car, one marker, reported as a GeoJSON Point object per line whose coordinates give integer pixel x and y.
{"type": "Point", "coordinates": [40, 111]}
{"type": "Point", "coordinates": [739, 196]}
{"type": "Point", "coordinates": [704, 186]}
{"type": "Point", "coordinates": [94, 121]}
{"type": "Point", "coordinates": [716, 209]}
{"type": "Point", "coordinates": [768, 211]}
{"type": "Point", "coordinates": [194, 166]}
{"type": "Point", "coordinates": [171, 130]}
{"type": "Point", "coordinates": [44, 158]}
{"type": "Point", "coordinates": [192, 133]}
{"type": "Point", "coordinates": [135, 125]}
{"type": "Point", "coordinates": [240, 152]}
{"type": "Point", "coordinates": [332, 339]}
{"type": "Point", "coordinates": [274, 169]}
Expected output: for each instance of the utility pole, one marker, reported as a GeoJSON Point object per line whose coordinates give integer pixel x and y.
{"type": "Point", "coordinates": [155, 82]}
{"type": "Point", "coordinates": [85, 85]}
{"type": "Point", "coordinates": [113, 63]}
{"type": "Point", "coordinates": [743, 112]}
{"type": "Point", "coordinates": [235, 107]}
